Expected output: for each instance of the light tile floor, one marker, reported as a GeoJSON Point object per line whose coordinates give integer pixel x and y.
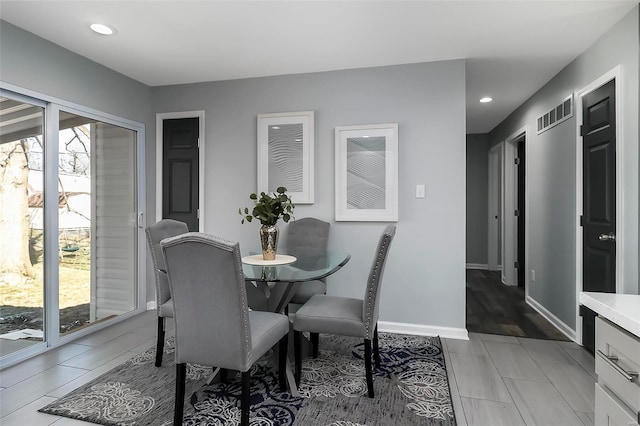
{"type": "Point", "coordinates": [495, 380]}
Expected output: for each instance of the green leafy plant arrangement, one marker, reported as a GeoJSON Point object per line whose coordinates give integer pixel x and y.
{"type": "Point", "coordinates": [269, 207]}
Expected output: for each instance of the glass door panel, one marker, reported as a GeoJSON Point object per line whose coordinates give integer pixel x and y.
{"type": "Point", "coordinates": [97, 221]}
{"type": "Point", "coordinates": [21, 225]}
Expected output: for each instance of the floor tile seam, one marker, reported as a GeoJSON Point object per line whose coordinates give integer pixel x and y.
{"type": "Point", "coordinates": [579, 364]}
{"type": "Point", "coordinates": [79, 344]}
{"type": "Point", "coordinates": [57, 418]}
{"type": "Point", "coordinates": [4, 414]}
{"type": "Point", "coordinates": [528, 380]}
{"type": "Point", "coordinates": [48, 393]}
{"type": "Point", "coordinates": [501, 343]}
{"type": "Point", "coordinates": [8, 389]}
{"type": "Point", "coordinates": [51, 390]}
{"type": "Point", "coordinates": [512, 403]}
{"type": "Point", "coordinates": [495, 365]}
{"type": "Point", "coordinates": [531, 355]}
{"type": "Point", "coordinates": [559, 393]}
{"type": "Point", "coordinates": [126, 330]}
{"type": "Point", "coordinates": [40, 370]}
{"type": "Point", "coordinates": [101, 348]}
{"type": "Point", "coordinates": [95, 365]}
{"type": "Point", "coordinates": [455, 379]}
{"type": "Point", "coordinates": [489, 399]}
{"type": "Point", "coordinates": [592, 413]}
{"type": "Point", "coordinates": [573, 363]}
{"type": "Point", "coordinates": [48, 367]}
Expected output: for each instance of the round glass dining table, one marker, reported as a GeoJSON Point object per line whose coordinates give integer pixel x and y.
{"type": "Point", "coordinates": [288, 277]}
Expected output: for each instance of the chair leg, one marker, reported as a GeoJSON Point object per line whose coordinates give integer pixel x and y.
{"type": "Point", "coordinates": [160, 343]}
{"type": "Point", "coordinates": [282, 362]}
{"type": "Point", "coordinates": [315, 339]}
{"type": "Point", "coordinates": [297, 349]}
{"type": "Point", "coordinates": [376, 348]}
{"type": "Point", "coordinates": [181, 374]}
{"type": "Point", "coordinates": [367, 365]}
{"type": "Point", "coordinates": [246, 394]}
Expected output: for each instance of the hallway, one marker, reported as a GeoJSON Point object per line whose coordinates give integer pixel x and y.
{"type": "Point", "coordinates": [494, 308]}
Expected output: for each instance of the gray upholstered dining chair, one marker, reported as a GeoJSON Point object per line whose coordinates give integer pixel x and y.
{"type": "Point", "coordinates": [155, 233]}
{"type": "Point", "coordinates": [347, 316]}
{"type": "Point", "coordinates": [308, 238]}
{"type": "Point", "coordinates": [213, 325]}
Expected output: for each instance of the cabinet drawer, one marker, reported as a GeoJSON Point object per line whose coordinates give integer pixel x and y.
{"type": "Point", "coordinates": [618, 352]}
{"type": "Point", "coordinates": [610, 411]}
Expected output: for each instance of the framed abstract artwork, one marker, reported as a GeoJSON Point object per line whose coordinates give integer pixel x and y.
{"type": "Point", "coordinates": [367, 173]}
{"type": "Point", "coordinates": [285, 154]}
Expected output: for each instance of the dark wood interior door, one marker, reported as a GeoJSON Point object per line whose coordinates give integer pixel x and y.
{"type": "Point", "coordinates": [180, 171]}
{"type": "Point", "coordinates": [599, 200]}
{"type": "Point", "coordinates": [599, 186]}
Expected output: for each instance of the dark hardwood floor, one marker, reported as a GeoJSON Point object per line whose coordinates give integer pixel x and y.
{"type": "Point", "coordinates": [495, 308]}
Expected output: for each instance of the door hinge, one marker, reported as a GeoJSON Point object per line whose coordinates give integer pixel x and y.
{"type": "Point", "coordinates": [198, 142]}
{"type": "Point", "coordinates": [581, 220]}
{"type": "Point", "coordinates": [198, 213]}
{"type": "Point", "coordinates": [516, 213]}
{"type": "Point", "coordinates": [516, 264]}
{"type": "Point", "coordinates": [581, 130]}
{"type": "Point", "coordinates": [516, 161]}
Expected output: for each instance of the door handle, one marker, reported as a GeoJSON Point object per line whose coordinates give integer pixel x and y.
{"type": "Point", "coordinates": [607, 237]}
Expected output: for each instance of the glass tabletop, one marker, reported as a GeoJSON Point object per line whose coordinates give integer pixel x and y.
{"type": "Point", "coordinates": [305, 268]}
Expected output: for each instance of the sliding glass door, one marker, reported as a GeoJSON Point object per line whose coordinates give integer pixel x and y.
{"type": "Point", "coordinates": [21, 231]}
{"type": "Point", "coordinates": [96, 221]}
{"type": "Point", "coordinates": [69, 234]}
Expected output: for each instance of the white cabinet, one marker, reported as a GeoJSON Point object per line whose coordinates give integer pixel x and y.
{"type": "Point", "coordinates": [617, 366]}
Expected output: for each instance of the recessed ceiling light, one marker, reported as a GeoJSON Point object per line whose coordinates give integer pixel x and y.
{"type": "Point", "coordinates": [102, 29]}
{"type": "Point", "coordinates": [485, 99]}
{"type": "Point", "coordinates": [275, 127]}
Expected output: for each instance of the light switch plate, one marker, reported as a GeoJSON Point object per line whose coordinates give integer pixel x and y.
{"type": "Point", "coordinates": [420, 189]}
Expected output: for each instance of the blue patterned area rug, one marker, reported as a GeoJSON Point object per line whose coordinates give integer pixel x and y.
{"type": "Point", "coordinates": [411, 389]}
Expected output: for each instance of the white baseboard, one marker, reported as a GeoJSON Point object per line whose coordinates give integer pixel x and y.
{"type": "Point", "coordinates": [423, 330]}
{"type": "Point", "coordinates": [151, 305]}
{"type": "Point", "coordinates": [559, 324]}
{"type": "Point", "coordinates": [482, 266]}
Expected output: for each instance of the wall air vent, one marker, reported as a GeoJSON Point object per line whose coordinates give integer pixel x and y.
{"type": "Point", "coordinates": [557, 115]}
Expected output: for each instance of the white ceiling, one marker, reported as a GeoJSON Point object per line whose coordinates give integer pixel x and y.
{"type": "Point", "coordinates": [512, 47]}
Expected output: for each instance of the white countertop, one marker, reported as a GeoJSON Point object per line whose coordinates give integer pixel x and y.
{"type": "Point", "coordinates": [621, 309]}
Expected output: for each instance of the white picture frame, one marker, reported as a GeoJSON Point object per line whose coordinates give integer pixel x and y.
{"type": "Point", "coordinates": [366, 186]}
{"type": "Point", "coordinates": [286, 154]}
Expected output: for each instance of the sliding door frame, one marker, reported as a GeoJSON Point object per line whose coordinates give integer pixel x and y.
{"type": "Point", "coordinates": [52, 108]}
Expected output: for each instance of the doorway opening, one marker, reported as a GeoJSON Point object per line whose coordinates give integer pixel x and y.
{"type": "Point", "coordinates": [514, 228]}
{"type": "Point", "coordinates": [495, 213]}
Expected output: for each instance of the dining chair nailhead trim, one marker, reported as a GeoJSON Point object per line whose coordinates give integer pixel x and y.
{"type": "Point", "coordinates": [372, 291]}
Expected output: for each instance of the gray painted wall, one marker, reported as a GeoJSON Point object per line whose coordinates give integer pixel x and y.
{"type": "Point", "coordinates": [551, 169]}
{"type": "Point", "coordinates": [477, 198]}
{"type": "Point", "coordinates": [36, 64]}
{"type": "Point", "coordinates": [424, 280]}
